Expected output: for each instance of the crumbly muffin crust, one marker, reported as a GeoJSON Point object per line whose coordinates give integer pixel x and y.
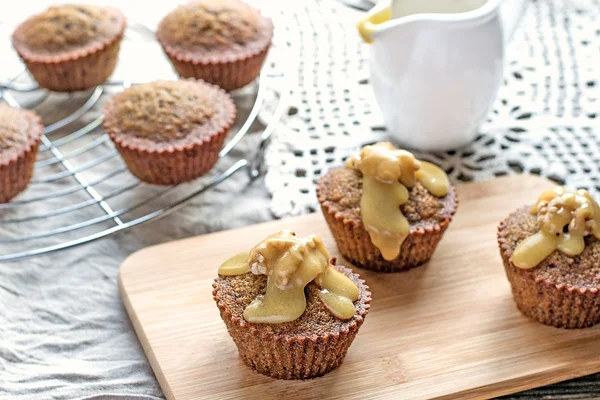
{"type": "Point", "coordinates": [62, 29]}
{"type": "Point", "coordinates": [166, 113]}
{"type": "Point", "coordinates": [235, 293]}
{"type": "Point", "coordinates": [18, 129]}
{"type": "Point", "coordinates": [308, 347]}
{"type": "Point", "coordinates": [560, 291]}
{"type": "Point", "coordinates": [20, 134]}
{"type": "Point", "coordinates": [582, 271]}
{"type": "Point", "coordinates": [341, 191]}
{"type": "Point", "coordinates": [215, 27]}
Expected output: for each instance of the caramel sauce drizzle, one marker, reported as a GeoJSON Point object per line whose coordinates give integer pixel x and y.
{"type": "Point", "coordinates": [565, 218]}
{"type": "Point", "coordinates": [388, 173]}
{"type": "Point", "coordinates": [291, 263]}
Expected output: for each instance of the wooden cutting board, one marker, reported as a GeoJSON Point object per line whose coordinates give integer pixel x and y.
{"type": "Point", "coordinates": [448, 329]}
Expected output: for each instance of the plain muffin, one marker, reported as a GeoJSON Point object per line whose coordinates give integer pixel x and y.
{"type": "Point", "coordinates": [71, 47]}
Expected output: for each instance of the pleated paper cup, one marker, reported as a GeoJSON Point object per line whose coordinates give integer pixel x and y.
{"type": "Point", "coordinates": [17, 164]}
{"type": "Point", "coordinates": [229, 69]}
{"type": "Point", "coordinates": [355, 244]}
{"type": "Point", "coordinates": [175, 163]}
{"type": "Point", "coordinates": [293, 356]}
{"type": "Point", "coordinates": [545, 301]}
{"type": "Point", "coordinates": [76, 70]}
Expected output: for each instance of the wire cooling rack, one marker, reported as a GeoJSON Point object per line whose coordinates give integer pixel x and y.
{"type": "Point", "coordinates": [82, 190]}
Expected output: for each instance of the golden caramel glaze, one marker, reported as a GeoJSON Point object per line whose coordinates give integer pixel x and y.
{"type": "Point", "coordinates": [565, 219]}
{"type": "Point", "coordinates": [290, 264]}
{"type": "Point", "coordinates": [388, 174]}
{"type": "Point", "coordinates": [236, 265]}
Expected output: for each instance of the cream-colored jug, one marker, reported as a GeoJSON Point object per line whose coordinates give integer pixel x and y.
{"type": "Point", "coordinates": [436, 66]}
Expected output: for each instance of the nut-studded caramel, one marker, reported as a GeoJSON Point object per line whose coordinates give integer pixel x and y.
{"type": "Point", "coordinates": [388, 173]}
{"type": "Point", "coordinates": [565, 218]}
{"type": "Point", "coordinates": [291, 263]}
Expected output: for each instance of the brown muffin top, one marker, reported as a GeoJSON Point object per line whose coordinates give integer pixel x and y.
{"type": "Point", "coordinates": [235, 293]}
{"type": "Point", "coordinates": [62, 29]}
{"type": "Point", "coordinates": [340, 190]}
{"type": "Point", "coordinates": [582, 271]}
{"type": "Point", "coordinates": [164, 113]}
{"type": "Point", "coordinates": [214, 27]}
{"type": "Point", "coordinates": [19, 128]}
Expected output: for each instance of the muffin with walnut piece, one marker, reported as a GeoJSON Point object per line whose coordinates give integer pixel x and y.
{"type": "Point", "coordinates": [290, 310]}
{"type": "Point", "coordinates": [169, 132]}
{"type": "Point", "coordinates": [387, 210]}
{"type": "Point", "coordinates": [551, 254]}
{"type": "Point", "coordinates": [224, 42]}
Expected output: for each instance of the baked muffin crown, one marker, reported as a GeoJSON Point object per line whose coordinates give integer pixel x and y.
{"type": "Point", "coordinates": [387, 210]}
{"type": "Point", "coordinates": [580, 271]}
{"type": "Point", "coordinates": [19, 130]}
{"type": "Point", "coordinates": [210, 27]}
{"type": "Point", "coordinates": [168, 112]}
{"type": "Point", "coordinates": [20, 135]}
{"type": "Point", "coordinates": [65, 28]}
{"type": "Point", "coordinates": [290, 310]}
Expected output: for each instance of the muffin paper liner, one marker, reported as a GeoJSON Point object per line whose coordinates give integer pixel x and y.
{"type": "Point", "coordinates": [354, 242]}
{"type": "Point", "coordinates": [77, 70]}
{"type": "Point", "coordinates": [229, 75]}
{"type": "Point", "coordinates": [230, 71]}
{"type": "Point", "coordinates": [175, 164]}
{"type": "Point", "coordinates": [16, 172]}
{"type": "Point", "coordinates": [293, 357]}
{"type": "Point", "coordinates": [558, 305]}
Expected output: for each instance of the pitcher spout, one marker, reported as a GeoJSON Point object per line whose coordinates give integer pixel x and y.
{"type": "Point", "coordinates": [392, 15]}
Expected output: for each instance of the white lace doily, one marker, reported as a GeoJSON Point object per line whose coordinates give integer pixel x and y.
{"type": "Point", "coordinates": [544, 121]}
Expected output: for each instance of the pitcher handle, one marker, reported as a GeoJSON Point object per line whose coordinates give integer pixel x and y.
{"type": "Point", "coordinates": [367, 26]}
{"type": "Point", "coordinates": [510, 14]}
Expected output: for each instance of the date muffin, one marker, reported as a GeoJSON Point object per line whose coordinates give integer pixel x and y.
{"type": "Point", "coordinates": [224, 42]}
{"type": "Point", "coordinates": [290, 310]}
{"type": "Point", "coordinates": [20, 134]}
{"type": "Point", "coordinates": [386, 210]}
{"type": "Point", "coordinates": [169, 132]}
{"type": "Point", "coordinates": [71, 47]}
{"type": "Point", "coordinates": [551, 254]}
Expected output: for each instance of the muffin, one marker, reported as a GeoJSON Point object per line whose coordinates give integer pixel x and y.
{"type": "Point", "coordinates": [169, 132]}
{"type": "Point", "coordinates": [224, 42]}
{"type": "Point", "coordinates": [290, 310]}
{"type": "Point", "coordinates": [20, 134]}
{"type": "Point", "coordinates": [71, 47]}
{"type": "Point", "coordinates": [386, 210]}
{"type": "Point", "coordinates": [551, 254]}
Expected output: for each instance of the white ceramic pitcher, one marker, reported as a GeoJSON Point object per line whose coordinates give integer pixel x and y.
{"type": "Point", "coordinates": [436, 66]}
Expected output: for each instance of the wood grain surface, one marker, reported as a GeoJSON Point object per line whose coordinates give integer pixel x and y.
{"type": "Point", "coordinates": [448, 329]}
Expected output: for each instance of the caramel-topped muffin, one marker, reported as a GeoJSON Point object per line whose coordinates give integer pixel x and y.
{"type": "Point", "coordinates": [290, 310]}
{"type": "Point", "coordinates": [551, 255]}
{"type": "Point", "coordinates": [20, 135]}
{"type": "Point", "coordinates": [71, 47]}
{"type": "Point", "coordinates": [223, 42]}
{"type": "Point", "coordinates": [386, 210]}
{"type": "Point", "coordinates": [169, 132]}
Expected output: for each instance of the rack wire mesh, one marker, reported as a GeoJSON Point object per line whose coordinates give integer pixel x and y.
{"type": "Point", "coordinates": [82, 190]}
